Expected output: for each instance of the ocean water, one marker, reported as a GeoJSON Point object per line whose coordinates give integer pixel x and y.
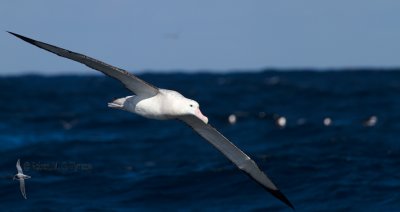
{"type": "Point", "coordinates": [84, 156]}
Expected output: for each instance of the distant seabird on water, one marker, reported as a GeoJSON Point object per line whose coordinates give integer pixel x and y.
{"type": "Point", "coordinates": [371, 121]}
{"type": "Point", "coordinates": [162, 104]}
{"type": "Point", "coordinates": [21, 177]}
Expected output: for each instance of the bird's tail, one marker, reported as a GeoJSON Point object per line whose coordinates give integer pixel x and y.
{"type": "Point", "coordinates": [117, 103]}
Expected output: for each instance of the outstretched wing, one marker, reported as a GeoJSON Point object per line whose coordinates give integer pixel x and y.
{"type": "Point", "coordinates": [19, 169]}
{"type": "Point", "coordinates": [22, 187]}
{"type": "Point", "coordinates": [234, 154]}
{"type": "Point", "coordinates": [133, 83]}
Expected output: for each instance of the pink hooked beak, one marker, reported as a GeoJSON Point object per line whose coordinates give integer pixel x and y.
{"type": "Point", "coordinates": [201, 116]}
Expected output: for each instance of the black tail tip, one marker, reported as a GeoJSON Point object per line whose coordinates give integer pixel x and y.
{"type": "Point", "coordinates": [12, 33]}
{"type": "Point", "coordinates": [22, 37]}
{"type": "Point", "coordinates": [278, 194]}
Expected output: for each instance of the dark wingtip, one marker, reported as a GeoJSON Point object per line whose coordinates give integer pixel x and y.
{"type": "Point", "coordinates": [22, 37]}
{"type": "Point", "coordinates": [278, 194]}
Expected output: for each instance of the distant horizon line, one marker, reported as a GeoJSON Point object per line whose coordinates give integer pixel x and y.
{"type": "Point", "coordinates": [203, 71]}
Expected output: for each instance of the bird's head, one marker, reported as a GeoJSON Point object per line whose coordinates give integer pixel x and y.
{"type": "Point", "coordinates": [193, 108]}
{"type": "Point", "coordinates": [178, 105]}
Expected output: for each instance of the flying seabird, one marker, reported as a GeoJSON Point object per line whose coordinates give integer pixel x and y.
{"type": "Point", "coordinates": [21, 177]}
{"type": "Point", "coordinates": [162, 104]}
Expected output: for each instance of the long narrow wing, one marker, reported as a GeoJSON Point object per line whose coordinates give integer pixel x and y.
{"type": "Point", "coordinates": [19, 169]}
{"type": "Point", "coordinates": [22, 187]}
{"type": "Point", "coordinates": [133, 83]}
{"type": "Point", "coordinates": [235, 155]}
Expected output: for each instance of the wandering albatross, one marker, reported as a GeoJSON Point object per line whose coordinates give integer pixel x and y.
{"type": "Point", "coordinates": [156, 103]}
{"type": "Point", "coordinates": [21, 177]}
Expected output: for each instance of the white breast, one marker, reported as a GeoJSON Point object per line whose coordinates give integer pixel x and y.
{"type": "Point", "coordinates": [160, 106]}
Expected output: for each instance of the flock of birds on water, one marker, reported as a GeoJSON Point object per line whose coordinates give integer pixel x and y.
{"type": "Point", "coordinates": [155, 103]}
{"type": "Point", "coordinates": [281, 121]}
{"type": "Point", "coordinates": [278, 120]}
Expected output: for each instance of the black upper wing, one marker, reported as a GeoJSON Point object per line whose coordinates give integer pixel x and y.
{"type": "Point", "coordinates": [234, 154]}
{"type": "Point", "coordinates": [133, 83]}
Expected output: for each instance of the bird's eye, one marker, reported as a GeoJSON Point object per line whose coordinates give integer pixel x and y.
{"type": "Point", "coordinates": [191, 105]}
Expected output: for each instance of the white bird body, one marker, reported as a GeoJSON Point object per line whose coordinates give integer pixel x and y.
{"type": "Point", "coordinates": [167, 104]}
{"type": "Point", "coordinates": [156, 103]}
{"type": "Point", "coordinates": [21, 177]}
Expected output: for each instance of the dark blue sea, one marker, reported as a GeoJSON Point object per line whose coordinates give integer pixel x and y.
{"type": "Point", "coordinates": [82, 155]}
